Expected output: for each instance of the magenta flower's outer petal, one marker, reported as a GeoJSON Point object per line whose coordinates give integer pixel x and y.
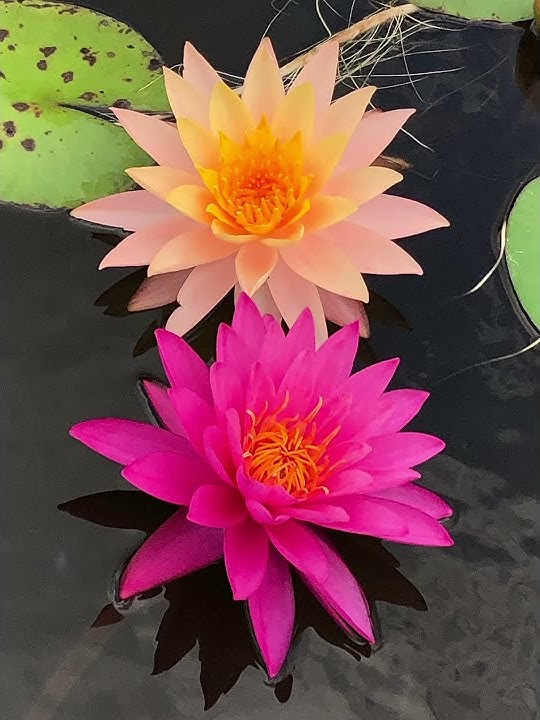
{"type": "Point", "coordinates": [348, 482]}
{"type": "Point", "coordinates": [261, 514]}
{"type": "Point", "coordinates": [299, 382]}
{"type": "Point", "coordinates": [271, 608]}
{"type": "Point", "coordinates": [401, 450]}
{"type": "Point", "coordinates": [194, 413]}
{"type": "Point", "coordinates": [317, 513]}
{"type": "Point", "coordinates": [272, 495]}
{"type": "Point", "coordinates": [226, 389]}
{"type": "Point", "coordinates": [342, 596]}
{"type": "Point", "coordinates": [216, 506]}
{"type": "Point", "coordinates": [169, 476]}
{"type": "Point", "coordinates": [131, 210]}
{"type": "Point", "coordinates": [247, 321]}
{"type": "Point", "coordinates": [419, 498]}
{"type": "Point", "coordinates": [397, 217]}
{"type": "Point", "coordinates": [233, 350]}
{"type": "Point", "coordinates": [301, 547]}
{"type": "Point", "coordinates": [301, 336]}
{"type": "Point", "coordinates": [392, 411]}
{"type": "Point", "coordinates": [335, 358]}
{"type": "Point", "coordinates": [184, 368]}
{"type": "Point", "coordinates": [370, 516]}
{"type": "Point", "coordinates": [421, 529]}
{"type": "Point", "coordinates": [234, 435]}
{"type": "Point", "coordinates": [245, 549]}
{"type": "Point", "coordinates": [124, 441]}
{"type": "Point", "coordinates": [218, 454]}
{"type": "Point", "coordinates": [260, 389]}
{"type": "Point", "coordinates": [175, 549]}
{"type": "Point", "coordinates": [158, 396]}
{"type": "Point", "coordinates": [382, 479]}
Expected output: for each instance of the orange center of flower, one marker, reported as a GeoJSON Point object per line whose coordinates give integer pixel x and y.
{"type": "Point", "coordinates": [282, 450]}
{"type": "Point", "coordinates": [260, 184]}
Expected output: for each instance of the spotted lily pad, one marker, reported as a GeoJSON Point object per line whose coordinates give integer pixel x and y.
{"type": "Point", "coordinates": [523, 248]}
{"type": "Point", "coordinates": [501, 10]}
{"type": "Point", "coordinates": [54, 59]}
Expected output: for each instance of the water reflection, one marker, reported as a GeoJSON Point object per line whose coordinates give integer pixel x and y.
{"type": "Point", "coordinates": [201, 609]}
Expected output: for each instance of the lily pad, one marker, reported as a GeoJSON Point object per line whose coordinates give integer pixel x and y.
{"type": "Point", "coordinates": [59, 63]}
{"type": "Point", "coordinates": [523, 248]}
{"type": "Point", "coordinates": [501, 10]}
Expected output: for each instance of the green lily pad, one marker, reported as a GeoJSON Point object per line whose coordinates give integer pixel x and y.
{"type": "Point", "coordinates": [55, 58]}
{"type": "Point", "coordinates": [523, 248]}
{"type": "Point", "coordinates": [501, 10]}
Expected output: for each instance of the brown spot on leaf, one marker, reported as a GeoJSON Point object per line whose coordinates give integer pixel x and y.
{"type": "Point", "coordinates": [67, 76]}
{"type": "Point", "coordinates": [29, 144]}
{"type": "Point", "coordinates": [122, 103]}
{"type": "Point", "coordinates": [128, 80]}
{"type": "Point", "coordinates": [21, 106]}
{"type": "Point", "coordinates": [1, 144]}
{"type": "Point", "coordinates": [3, 34]}
{"type": "Point", "coordinates": [111, 54]}
{"type": "Point", "coordinates": [70, 10]}
{"type": "Point", "coordinates": [88, 95]}
{"type": "Point", "coordinates": [41, 65]}
{"type": "Point", "coordinates": [84, 51]}
{"type": "Point", "coordinates": [154, 64]}
{"type": "Point", "coordinates": [2, 75]}
{"type": "Point", "coordinates": [88, 56]}
{"type": "Point", "coordinates": [11, 47]}
{"type": "Point", "coordinates": [9, 128]}
{"type": "Point", "coordinates": [130, 47]}
{"type": "Point", "coordinates": [104, 22]}
{"type": "Point", "coordinates": [49, 50]}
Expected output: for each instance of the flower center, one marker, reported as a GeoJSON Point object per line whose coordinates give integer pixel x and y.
{"type": "Point", "coordinates": [260, 184]}
{"type": "Point", "coordinates": [286, 451]}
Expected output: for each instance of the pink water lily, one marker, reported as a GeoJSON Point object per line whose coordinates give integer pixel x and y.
{"type": "Point", "coordinates": [273, 442]}
{"type": "Point", "coordinates": [276, 192]}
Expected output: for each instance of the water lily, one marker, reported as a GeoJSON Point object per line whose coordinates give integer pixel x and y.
{"type": "Point", "coordinates": [275, 192]}
{"type": "Point", "coordinates": [273, 442]}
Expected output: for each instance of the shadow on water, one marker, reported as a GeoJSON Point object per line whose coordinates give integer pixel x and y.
{"type": "Point", "coordinates": [201, 609]}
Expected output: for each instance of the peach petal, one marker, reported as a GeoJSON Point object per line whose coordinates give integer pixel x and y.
{"type": "Point", "coordinates": [263, 299]}
{"type": "Point", "coordinates": [363, 184]}
{"type": "Point", "coordinates": [161, 180]}
{"type": "Point", "coordinates": [191, 200]}
{"type": "Point", "coordinates": [157, 291]}
{"type": "Point", "coordinates": [204, 288]}
{"type": "Point", "coordinates": [319, 260]}
{"type": "Point", "coordinates": [195, 247]}
{"type": "Point", "coordinates": [322, 158]}
{"type": "Point", "coordinates": [397, 217]}
{"type": "Point", "coordinates": [320, 70]}
{"type": "Point", "coordinates": [263, 87]}
{"type": "Point", "coordinates": [201, 145]}
{"type": "Point", "coordinates": [345, 113]}
{"type": "Point", "coordinates": [131, 210]}
{"type": "Point", "coordinates": [328, 210]}
{"type": "Point", "coordinates": [229, 115]}
{"type": "Point", "coordinates": [296, 114]}
{"type": "Point", "coordinates": [344, 311]}
{"type": "Point", "coordinates": [373, 253]}
{"type": "Point", "coordinates": [292, 294]}
{"type": "Point", "coordinates": [140, 247]}
{"type": "Point", "coordinates": [230, 234]}
{"type": "Point", "coordinates": [184, 98]}
{"type": "Point", "coordinates": [286, 235]}
{"type": "Point", "coordinates": [254, 263]}
{"type": "Point", "coordinates": [198, 71]}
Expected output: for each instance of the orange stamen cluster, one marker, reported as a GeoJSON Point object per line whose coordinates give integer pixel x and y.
{"type": "Point", "coordinates": [259, 185]}
{"type": "Point", "coordinates": [281, 450]}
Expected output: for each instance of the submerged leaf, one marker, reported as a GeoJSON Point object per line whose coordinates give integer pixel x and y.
{"type": "Point", "coordinates": [501, 10]}
{"type": "Point", "coordinates": [56, 58]}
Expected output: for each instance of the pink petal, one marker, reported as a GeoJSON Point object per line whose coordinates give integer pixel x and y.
{"type": "Point", "coordinates": [372, 253]}
{"type": "Point", "coordinates": [158, 138]}
{"type": "Point", "coordinates": [368, 384]}
{"type": "Point", "coordinates": [125, 441]}
{"type": "Point", "coordinates": [273, 495]}
{"type": "Point", "coordinates": [342, 595]}
{"type": "Point", "coordinates": [246, 553]}
{"type": "Point", "coordinates": [247, 320]}
{"type": "Point", "coordinates": [217, 454]}
{"type": "Point", "coordinates": [343, 311]}
{"type": "Point", "coordinates": [264, 301]}
{"type": "Point", "coordinates": [392, 411]}
{"type": "Point", "coordinates": [382, 479]}
{"type": "Point", "coordinates": [157, 291]}
{"type": "Point", "coordinates": [419, 498]}
{"type": "Point", "coordinates": [234, 435]}
{"type": "Point", "coordinates": [263, 87]}
{"type": "Point", "coordinates": [227, 391]}
{"type": "Point", "coordinates": [204, 288]}
{"type": "Point", "coordinates": [371, 516]}
{"type": "Point", "coordinates": [301, 336]}
{"type": "Point", "coordinates": [348, 482]}
{"type": "Point", "coordinates": [301, 547]}
{"type": "Point", "coordinates": [158, 396]}
{"type": "Point", "coordinates": [335, 358]}
{"type": "Point", "coordinates": [397, 217]}
{"type": "Point", "coordinates": [260, 390]}
{"type": "Point", "coordinates": [320, 70]}
{"type": "Point", "coordinates": [216, 506]}
{"type": "Point", "coordinates": [131, 210]}
{"type": "Point", "coordinates": [374, 132]}
{"type": "Point", "coordinates": [401, 450]}
{"type": "Point", "coordinates": [184, 368]}
{"type": "Point", "coordinates": [169, 476]}
{"type": "Point", "coordinates": [271, 608]}
{"type": "Point", "coordinates": [194, 413]}
{"type": "Point", "coordinates": [140, 247]}
{"type": "Point", "coordinates": [317, 513]}
{"type": "Point", "coordinates": [421, 529]}
{"type": "Point", "coordinates": [175, 549]}
{"type": "Point", "coordinates": [299, 383]}
{"type": "Point", "coordinates": [198, 71]}
{"type": "Point", "coordinates": [235, 349]}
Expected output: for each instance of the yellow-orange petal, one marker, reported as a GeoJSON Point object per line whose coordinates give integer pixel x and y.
{"type": "Point", "coordinates": [201, 145]}
{"type": "Point", "coordinates": [189, 249]}
{"type": "Point", "coordinates": [191, 200]}
{"type": "Point", "coordinates": [328, 210]}
{"type": "Point", "coordinates": [254, 263]}
{"type": "Point", "coordinates": [161, 180]}
{"type": "Point", "coordinates": [185, 99]}
{"type": "Point", "coordinates": [220, 214]}
{"type": "Point", "coordinates": [296, 114]}
{"type": "Point", "coordinates": [345, 113]}
{"type": "Point", "coordinates": [287, 235]}
{"type": "Point", "coordinates": [237, 236]}
{"type": "Point", "coordinates": [322, 158]}
{"type": "Point", "coordinates": [318, 260]}
{"type": "Point", "coordinates": [363, 184]}
{"type": "Point", "coordinates": [321, 71]}
{"type": "Point", "coordinates": [228, 114]}
{"type": "Point", "coordinates": [263, 87]}
{"type": "Point", "coordinates": [198, 71]}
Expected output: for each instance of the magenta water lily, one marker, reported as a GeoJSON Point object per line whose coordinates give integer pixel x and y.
{"type": "Point", "coordinates": [263, 450]}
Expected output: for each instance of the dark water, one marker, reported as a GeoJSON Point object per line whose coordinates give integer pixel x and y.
{"type": "Point", "coordinates": [472, 654]}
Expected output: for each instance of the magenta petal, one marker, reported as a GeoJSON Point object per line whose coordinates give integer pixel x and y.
{"type": "Point", "coordinates": [367, 384]}
{"type": "Point", "coordinates": [184, 368]}
{"type": "Point", "coordinates": [216, 506]}
{"type": "Point", "coordinates": [335, 358]}
{"type": "Point", "coordinates": [317, 513]}
{"type": "Point", "coordinates": [301, 336]}
{"type": "Point", "coordinates": [159, 399]}
{"type": "Point", "coordinates": [175, 549]}
{"type": "Point", "coordinates": [342, 596]}
{"type": "Point", "coordinates": [169, 476]}
{"type": "Point", "coordinates": [226, 389]}
{"type": "Point", "coordinates": [247, 321]}
{"type": "Point", "coordinates": [298, 382]}
{"type": "Point", "coordinates": [382, 479]}
{"type": "Point", "coordinates": [401, 450]}
{"type": "Point", "coordinates": [371, 516]}
{"type": "Point", "coordinates": [218, 455]}
{"type": "Point", "coordinates": [273, 495]}
{"type": "Point", "coordinates": [421, 529]}
{"type": "Point", "coordinates": [231, 349]}
{"type": "Point", "coordinates": [194, 413]}
{"type": "Point", "coordinates": [349, 482]}
{"type": "Point", "coordinates": [301, 547]}
{"type": "Point", "coordinates": [271, 608]}
{"type": "Point", "coordinates": [127, 440]}
{"type": "Point", "coordinates": [261, 514]}
{"type": "Point", "coordinates": [392, 411]}
{"type": "Point", "coordinates": [245, 549]}
{"type": "Point", "coordinates": [234, 434]}
{"type": "Point", "coordinates": [419, 498]}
